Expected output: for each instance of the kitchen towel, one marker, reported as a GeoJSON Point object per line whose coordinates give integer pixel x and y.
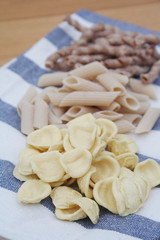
{"type": "Point", "coordinates": [38, 222]}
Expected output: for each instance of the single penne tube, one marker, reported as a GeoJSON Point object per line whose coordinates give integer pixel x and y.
{"type": "Point", "coordinates": [139, 87]}
{"type": "Point", "coordinates": [128, 101]}
{"type": "Point", "coordinates": [123, 79]}
{"type": "Point", "coordinates": [148, 120]}
{"type": "Point", "coordinates": [55, 98]}
{"type": "Point", "coordinates": [27, 116]}
{"type": "Point", "coordinates": [76, 111]}
{"type": "Point", "coordinates": [89, 71]}
{"type": "Point", "coordinates": [52, 79]}
{"type": "Point", "coordinates": [110, 115]}
{"type": "Point", "coordinates": [41, 114]}
{"type": "Point", "coordinates": [141, 97]}
{"type": "Point", "coordinates": [124, 126]}
{"type": "Point", "coordinates": [88, 98]}
{"type": "Point", "coordinates": [132, 117]}
{"type": "Point", "coordinates": [114, 106]}
{"type": "Point", "coordinates": [141, 110]}
{"type": "Point", "coordinates": [110, 83]}
{"type": "Point", "coordinates": [29, 96]}
{"type": "Point", "coordinates": [52, 119]}
{"type": "Point", "coordinates": [80, 84]}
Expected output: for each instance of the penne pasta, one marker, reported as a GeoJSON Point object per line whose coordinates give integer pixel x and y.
{"type": "Point", "coordinates": [132, 117]}
{"type": "Point", "coordinates": [139, 87]}
{"type": "Point", "coordinates": [110, 115]}
{"type": "Point", "coordinates": [148, 120]}
{"type": "Point", "coordinates": [140, 96]}
{"type": "Point", "coordinates": [143, 107]}
{"type": "Point", "coordinates": [58, 111]}
{"type": "Point", "coordinates": [55, 98]}
{"type": "Point", "coordinates": [88, 99]}
{"type": "Point", "coordinates": [80, 84]}
{"type": "Point", "coordinates": [27, 115]}
{"type": "Point", "coordinates": [28, 97]}
{"type": "Point", "coordinates": [114, 106]}
{"type": "Point", "coordinates": [124, 126]}
{"type": "Point", "coordinates": [65, 118]}
{"type": "Point", "coordinates": [123, 79]}
{"type": "Point", "coordinates": [110, 83]}
{"type": "Point", "coordinates": [64, 89]}
{"type": "Point", "coordinates": [128, 101]}
{"type": "Point", "coordinates": [53, 119]}
{"type": "Point", "coordinates": [41, 114]}
{"type": "Point", "coordinates": [76, 111]}
{"type": "Point", "coordinates": [89, 71]}
{"type": "Point", "coordinates": [51, 79]}
{"type": "Point", "coordinates": [44, 94]}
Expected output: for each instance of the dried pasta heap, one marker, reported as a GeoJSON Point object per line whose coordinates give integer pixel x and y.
{"type": "Point", "coordinates": [131, 53]}
{"type": "Point", "coordinates": [90, 88]}
{"type": "Point", "coordinates": [73, 167]}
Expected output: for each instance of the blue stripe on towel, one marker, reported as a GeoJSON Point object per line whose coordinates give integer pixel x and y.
{"type": "Point", "coordinates": [8, 114]}
{"type": "Point", "coordinates": [59, 38]}
{"type": "Point", "coordinates": [27, 69]}
{"type": "Point", "coordinates": [145, 229]}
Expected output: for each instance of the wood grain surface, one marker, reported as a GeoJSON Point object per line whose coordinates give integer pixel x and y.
{"type": "Point", "coordinates": [24, 22]}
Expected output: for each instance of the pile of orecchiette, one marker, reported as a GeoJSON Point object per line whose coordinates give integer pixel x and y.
{"type": "Point", "coordinates": [56, 158]}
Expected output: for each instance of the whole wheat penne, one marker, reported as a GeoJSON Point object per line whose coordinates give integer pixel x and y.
{"type": "Point", "coordinates": [29, 95]}
{"type": "Point", "coordinates": [139, 87]}
{"type": "Point", "coordinates": [65, 118]}
{"type": "Point", "coordinates": [124, 126]}
{"type": "Point", "coordinates": [111, 115]}
{"type": "Point", "coordinates": [41, 114]}
{"type": "Point", "coordinates": [148, 120]}
{"type": "Point", "coordinates": [89, 71]}
{"type": "Point", "coordinates": [76, 111]}
{"type": "Point", "coordinates": [27, 115]}
{"type": "Point", "coordinates": [140, 96]}
{"type": "Point", "coordinates": [55, 98]}
{"type": "Point", "coordinates": [52, 119]}
{"type": "Point", "coordinates": [143, 107]}
{"type": "Point", "coordinates": [51, 79]}
{"type": "Point", "coordinates": [114, 106]}
{"type": "Point", "coordinates": [80, 84]}
{"type": "Point", "coordinates": [88, 98]}
{"type": "Point", "coordinates": [110, 83]}
{"type": "Point", "coordinates": [132, 117]}
{"type": "Point", "coordinates": [128, 101]}
{"type": "Point", "coordinates": [58, 111]}
{"type": "Point", "coordinates": [44, 94]}
{"type": "Point", "coordinates": [123, 79]}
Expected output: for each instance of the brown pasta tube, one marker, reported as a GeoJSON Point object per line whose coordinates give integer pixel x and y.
{"type": "Point", "coordinates": [153, 74]}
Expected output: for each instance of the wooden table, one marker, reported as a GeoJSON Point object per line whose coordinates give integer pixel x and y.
{"type": "Point", "coordinates": [23, 22]}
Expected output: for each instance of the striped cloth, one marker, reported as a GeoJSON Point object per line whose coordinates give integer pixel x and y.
{"type": "Point", "coordinates": [23, 222]}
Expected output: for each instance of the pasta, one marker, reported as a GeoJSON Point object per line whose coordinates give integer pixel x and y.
{"type": "Point", "coordinates": [77, 111]}
{"type": "Point", "coordinates": [111, 115]}
{"type": "Point", "coordinates": [28, 97]}
{"type": "Point", "coordinates": [110, 83]}
{"type": "Point", "coordinates": [27, 116]}
{"type": "Point", "coordinates": [128, 101]}
{"type": "Point", "coordinates": [139, 87]}
{"type": "Point", "coordinates": [51, 79]}
{"type": "Point", "coordinates": [132, 117]}
{"type": "Point", "coordinates": [80, 84]}
{"type": "Point", "coordinates": [124, 126]}
{"type": "Point", "coordinates": [87, 99]}
{"type": "Point", "coordinates": [55, 157]}
{"type": "Point", "coordinates": [148, 120]}
{"type": "Point", "coordinates": [89, 71]}
{"type": "Point", "coordinates": [41, 114]}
